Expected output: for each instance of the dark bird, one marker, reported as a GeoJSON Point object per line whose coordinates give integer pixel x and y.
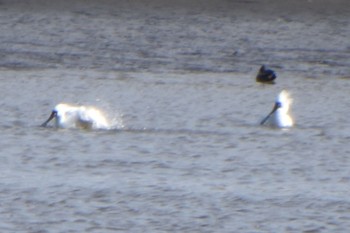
{"type": "Point", "coordinates": [266, 75]}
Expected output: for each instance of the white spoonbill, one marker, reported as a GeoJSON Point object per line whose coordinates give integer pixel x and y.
{"type": "Point", "coordinates": [73, 116]}
{"type": "Point", "coordinates": [279, 116]}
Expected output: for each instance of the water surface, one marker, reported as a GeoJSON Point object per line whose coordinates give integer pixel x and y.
{"type": "Point", "coordinates": [187, 153]}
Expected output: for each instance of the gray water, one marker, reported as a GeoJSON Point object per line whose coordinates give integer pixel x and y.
{"type": "Point", "coordinates": [187, 153]}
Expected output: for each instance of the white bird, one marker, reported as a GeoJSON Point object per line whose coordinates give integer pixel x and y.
{"type": "Point", "coordinates": [279, 116]}
{"type": "Point", "coordinates": [73, 116]}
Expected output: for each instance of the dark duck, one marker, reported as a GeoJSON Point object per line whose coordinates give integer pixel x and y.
{"type": "Point", "coordinates": [266, 75]}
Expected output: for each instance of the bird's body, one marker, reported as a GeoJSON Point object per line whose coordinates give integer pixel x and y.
{"type": "Point", "coordinates": [279, 116]}
{"type": "Point", "coordinates": [265, 75]}
{"type": "Point", "coordinates": [73, 116]}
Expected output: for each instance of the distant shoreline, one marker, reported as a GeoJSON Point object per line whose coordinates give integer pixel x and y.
{"type": "Point", "coordinates": [302, 36]}
{"type": "Point", "coordinates": [256, 7]}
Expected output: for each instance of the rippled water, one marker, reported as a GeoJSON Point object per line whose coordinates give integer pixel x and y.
{"type": "Point", "coordinates": [187, 153]}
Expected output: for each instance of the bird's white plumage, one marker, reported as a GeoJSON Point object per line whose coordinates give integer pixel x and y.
{"type": "Point", "coordinates": [74, 116]}
{"type": "Point", "coordinates": [280, 115]}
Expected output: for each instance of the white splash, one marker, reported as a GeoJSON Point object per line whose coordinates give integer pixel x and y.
{"type": "Point", "coordinates": [78, 116]}
{"type": "Point", "coordinates": [280, 116]}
